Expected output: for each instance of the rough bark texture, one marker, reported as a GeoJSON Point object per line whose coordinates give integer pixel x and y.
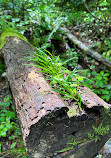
{"type": "Point", "coordinates": [45, 125]}
{"type": "Point", "coordinates": [86, 49]}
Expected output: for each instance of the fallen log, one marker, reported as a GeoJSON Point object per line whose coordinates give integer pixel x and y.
{"type": "Point", "coordinates": [46, 127]}
{"type": "Point", "coordinates": [86, 49]}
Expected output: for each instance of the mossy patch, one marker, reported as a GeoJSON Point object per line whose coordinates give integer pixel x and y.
{"type": "Point", "coordinates": [10, 32]}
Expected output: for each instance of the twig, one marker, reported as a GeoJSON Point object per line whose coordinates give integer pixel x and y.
{"type": "Point", "coordinates": [91, 13]}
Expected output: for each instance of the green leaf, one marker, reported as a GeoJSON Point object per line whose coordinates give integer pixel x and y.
{"type": "Point", "coordinates": [10, 114]}
{"type": "Point", "coordinates": [74, 85]}
{"type": "Point", "coordinates": [9, 126]}
{"type": "Point", "coordinates": [98, 77]}
{"type": "Point", "coordinates": [2, 119]}
{"type": "Point", "coordinates": [3, 133]}
{"type": "Point", "coordinates": [1, 126]}
{"type": "Point", "coordinates": [101, 84]}
{"type": "Point", "coordinates": [102, 73]}
{"type": "Point", "coordinates": [65, 149]}
{"type": "Point", "coordinates": [13, 145]}
{"type": "Point", "coordinates": [80, 78]}
{"type": "Point", "coordinates": [106, 74]}
{"type": "Point", "coordinates": [11, 137]}
{"type": "Point", "coordinates": [102, 4]}
{"type": "Point", "coordinates": [3, 103]}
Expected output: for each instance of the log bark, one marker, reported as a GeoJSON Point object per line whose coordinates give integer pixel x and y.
{"type": "Point", "coordinates": [45, 125]}
{"type": "Point", "coordinates": [86, 49]}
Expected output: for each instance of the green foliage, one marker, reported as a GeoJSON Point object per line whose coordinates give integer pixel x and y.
{"type": "Point", "coordinates": [107, 48]}
{"type": "Point", "coordinates": [41, 19]}
{"type": "Point", "coordinates": [106, 116]}
{"type": "Point", "coordinates": [46, 20]}
{"type": "Point", "coordinates": [71, 54]}
{"type": "Point", "coordinates": [73, 144]}
{"type": "Point", "coordinates": [6, 117]}
{"type": "Point", "coordinates": [90, 136]}
{"type": "Point", "coordinates": [7, 125]}
{"type": "Point", "coordinates": [45, 16]}
{"type": "Point", "coordinates": [9, 128]}
{"type": "Point", "coordinates": [7, 21]}
{"type": "Point", "coordinates": [76, 2]}
{"type": "Point", "coordinates": [38, 17]}
{"type": "Point", "coordinates": [64, 81]}
{"type": "Point", "coordinates": [98, 82]}
{"type": "Point", "coordinates": [100, 13]}
{"type": "Point", "coordinates": [107, 54]}
{"type": "Point", "coordinates": [98, 132]}
{"type": "Point", "coordinates": [100, 156]}
{"type": "Point", "coordinates": [19, 152]}
{"type": "Point", "coordinates": [65, 149]}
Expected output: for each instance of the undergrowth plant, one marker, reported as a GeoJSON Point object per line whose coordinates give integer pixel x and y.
{"type": "Point", "coordinates": [99, 82]}
{"type": "Point", "coordinates": [71, 53]}
{"type": "Point", "coordinates": [9, 130]}
{"type": "Point", "coordinates": [64, 81]}
{"type": "Point", "coordinates": [6, 117]}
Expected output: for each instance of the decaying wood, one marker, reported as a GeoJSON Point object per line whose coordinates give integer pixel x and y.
{"type": "Point", "coordinates": [86, 49]}
{"type": "Point", "coordinates": [45, 125]}
{"type": "Point", "coordinates": [90, 99]}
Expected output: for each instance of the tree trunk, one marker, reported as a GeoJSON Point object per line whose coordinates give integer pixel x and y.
{"type": "Point", "coordinates": [86, 49]}
{"type": "Point", "coordinates": [45, 125]}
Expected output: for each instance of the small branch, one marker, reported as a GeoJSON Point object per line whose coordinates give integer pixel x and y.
{"type": "Point", "coordinates": [86, 49]}
{"type": "Point", "coordinates": [91, 13]}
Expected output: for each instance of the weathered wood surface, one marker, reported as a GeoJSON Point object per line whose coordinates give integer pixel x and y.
{"type": "Point", "coordinates": [86, 49]}
{"type": "Point", "coordinates": [90, 99]}
{"type": "Point", "coordinates": [45, 125]}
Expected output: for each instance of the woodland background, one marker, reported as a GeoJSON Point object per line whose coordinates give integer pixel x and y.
{"type": "Point", "coordinates": [40, 21]}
